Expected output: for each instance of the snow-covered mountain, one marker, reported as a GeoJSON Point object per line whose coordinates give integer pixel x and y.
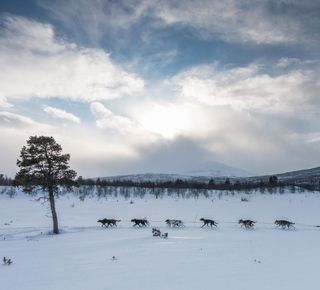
{"type": "Point", "coordinates": [220, 172]}
{"type": "Point", "coordinates": [217, 169]}
{"type": "Point", "coordinates": [202, 172]}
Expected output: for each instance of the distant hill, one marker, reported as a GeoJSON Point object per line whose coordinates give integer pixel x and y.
{"type": "Point", "coordinates": [217, 169]}
{"type": "Point", "coordinates": [299, 176]}
{"type": "Point", "coordinates": [202, 172]}
{"type": "Point", "coordinates": [219, 172]}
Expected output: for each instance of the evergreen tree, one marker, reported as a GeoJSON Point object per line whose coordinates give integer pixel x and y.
{"type": "Point", "coordinates": [273, 179]}
{"type": "Point", "coordinates": [43, 166]}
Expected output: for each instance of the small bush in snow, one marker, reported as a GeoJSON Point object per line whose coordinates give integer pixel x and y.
{"type": "Point", "coordinates": [244, 199]}
{"type": "Point", "coordinates": [11, 192]}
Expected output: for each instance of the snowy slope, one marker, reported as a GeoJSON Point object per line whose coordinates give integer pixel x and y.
{"type": "Point", "coordinates": [227, 257]}
{"type": "Point", "coordinates": [202, 172]}
{"type": "Point", "coordinates": [306, 176]}
{"type": "Point", "coordinates": [217, 169]}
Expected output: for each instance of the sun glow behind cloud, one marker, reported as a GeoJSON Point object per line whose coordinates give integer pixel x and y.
{"type": "Point", "coordinates": [166, 121]}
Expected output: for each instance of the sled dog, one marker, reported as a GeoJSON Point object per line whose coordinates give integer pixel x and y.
{"type": "Point", "coordinates": [140, 223]}
{"type": "Point", "coordinates": [108, 222]}
{"type": "Point", "coordinates": [248, 224]}
{"type": "Point", "coordinates": [283, 224]}
{"type": "Point", "coordinates": [208, 222]}
{"type": "Point", "coordinates": [175, 223]}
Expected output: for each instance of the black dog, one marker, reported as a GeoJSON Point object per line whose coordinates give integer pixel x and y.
{"type": "Point", "coordinates": [248, 224]}
{"type": "Point", "coordinates": [209, 222]}
{"type": "Point", "coordinates": [140, 223]}
{"type": "Point", "coordinates": [108, 222]}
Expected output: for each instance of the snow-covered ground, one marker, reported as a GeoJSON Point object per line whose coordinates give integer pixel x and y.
{"type": "Point", "coordinates": [227, 257]}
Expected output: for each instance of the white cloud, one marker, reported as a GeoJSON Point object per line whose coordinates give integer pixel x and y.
{"type": "Point", "coordinates": [286, 61]}
{"type": "Point", "coordinates": [17, 122]}
{"type": "Point", "coordinates": [36, 63]}
{"type": "Point", "coordinates": [242, 21]}
{"type": "Point", "coordinates": [106, 119]}
{"type": "Point", "coordinates": [4, 103]}
{"type": "Point", "coordinates": [99, 110]}
{"type": "Point", "coordinates": [249, 88]}
{"type": "Point", "coordinates": [262, 22]}
{"type": "Point", "coordinates": [99, 16]}
{"type": "Point", "coordinates": [57, 113]}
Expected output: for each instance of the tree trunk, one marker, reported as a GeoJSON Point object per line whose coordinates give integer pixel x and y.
{"type": "Point", "coordinates": [53, 212]}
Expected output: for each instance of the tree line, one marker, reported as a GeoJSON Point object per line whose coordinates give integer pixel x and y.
{"type": "Point", "coordinates": [237, 185]}
{"type": "Point", "coordinates": [5, 180]}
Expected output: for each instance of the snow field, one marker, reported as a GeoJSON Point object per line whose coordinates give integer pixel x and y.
{"type": "Point", "coordinates": [227, 257]}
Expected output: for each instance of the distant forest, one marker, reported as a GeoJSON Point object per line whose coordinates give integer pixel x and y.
{"type": "Point", "coordinates": [180, 188]}
{"type": "Point", "coordinates": [4, 180]}
{"type": "Point", "coordinates": [189, 188]}
{"type": "Point", "coordinates": [193, 184]}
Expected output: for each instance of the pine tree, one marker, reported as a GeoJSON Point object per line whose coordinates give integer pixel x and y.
{"type": "Point", "coordinates": [43, 166]}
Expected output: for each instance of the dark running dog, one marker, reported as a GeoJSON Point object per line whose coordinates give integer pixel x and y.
{"type": "Point", "coordinates": [140, 223]}
{"type": "Point", "coordinates": [175, 223]}
{"type": "Point", "coordinates": [283, 224]}
{"type": "Point", "coordinates": [108, 222]}
{"type": "Point", "coordinates": [209, 222]}
{"type": "Point", "coordinates": [248, 224]}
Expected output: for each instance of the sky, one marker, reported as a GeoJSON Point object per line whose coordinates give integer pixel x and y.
{"type": "Point", "coordinates": [162, 86]}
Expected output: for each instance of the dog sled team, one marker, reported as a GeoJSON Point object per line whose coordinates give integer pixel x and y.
{"type": "Point", "coordinates": [248, 224]}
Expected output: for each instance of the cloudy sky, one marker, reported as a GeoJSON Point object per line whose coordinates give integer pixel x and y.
{"type": "Point", "coordinates": [162, 86]}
